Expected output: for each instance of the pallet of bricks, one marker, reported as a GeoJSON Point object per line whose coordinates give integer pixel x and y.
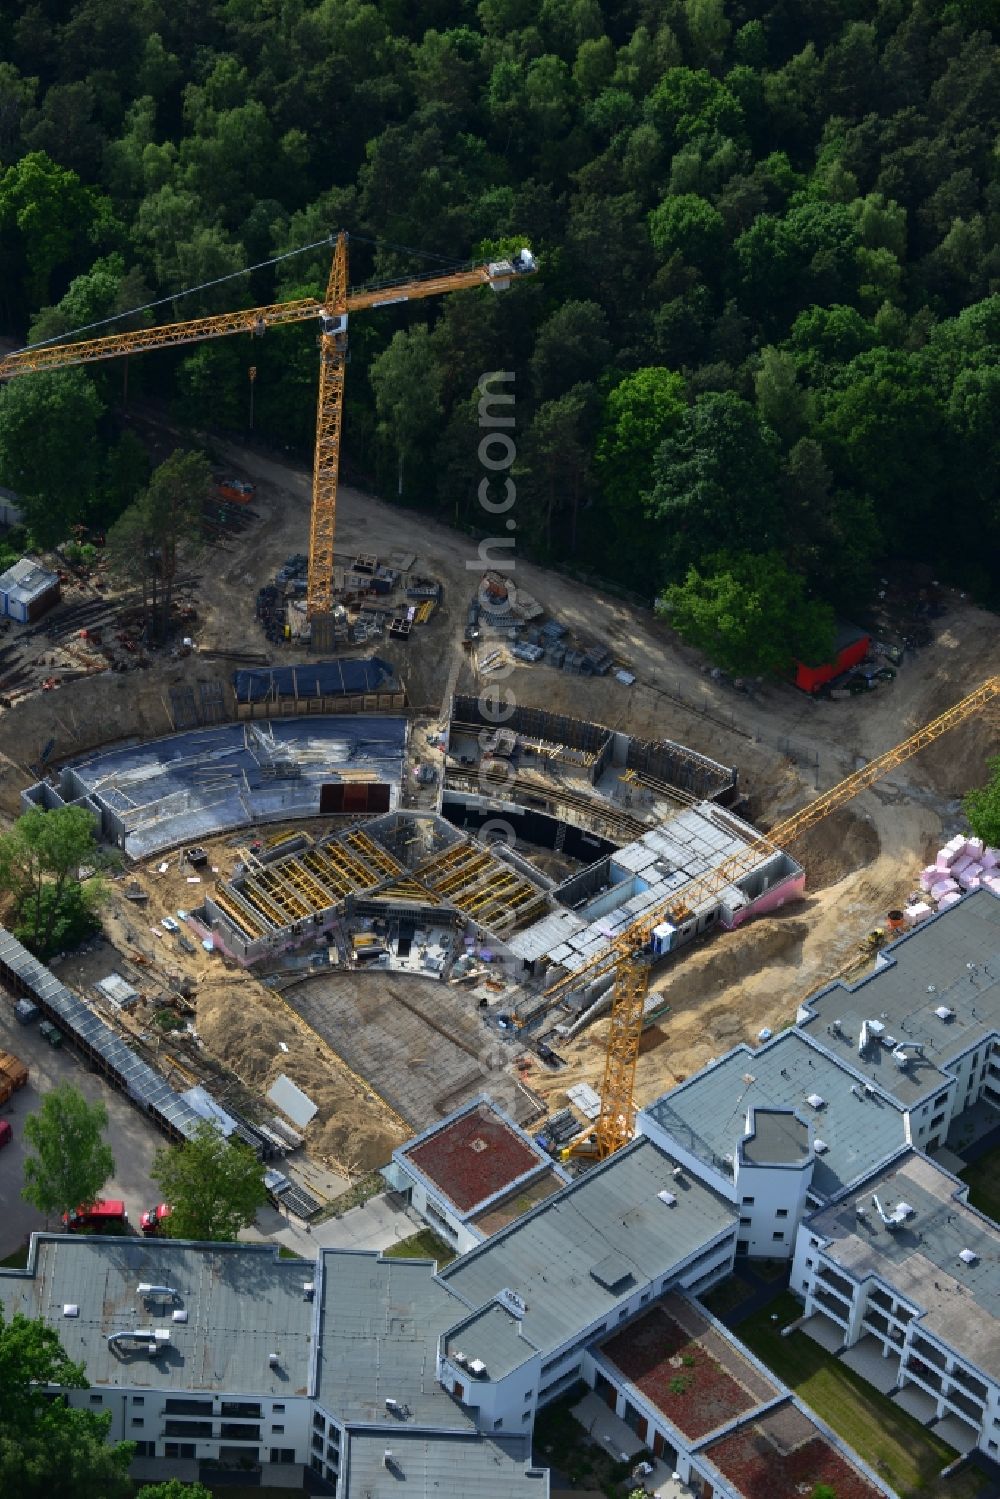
{"type": "Point", "coordinates": [13, 1075]}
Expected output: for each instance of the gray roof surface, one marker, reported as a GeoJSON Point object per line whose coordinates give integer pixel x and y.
{"type": "Point", "coordinates": [707, 1114]}
{"type": "Point", "coordinates": [380, 1322]}
{"type": "Point", "coordinates": [452, 1467]}
{"type": "Point", "coordinates": [143, 1085]}
{"type": "Point", "coordinates": [664, 860]}
{"type": "Point", "coordinates": [920, 1259]}
{"type": "Point", "coordinates": [26, 580]}
{"type": "Point", "coordinates": [220, 1347]}
{"type": "Point", "coordinates": [779, 1139]}
{"type": "Point", "coordinates": [937, 953]}
{"type": "Point", "coordinates": [547, 1256]}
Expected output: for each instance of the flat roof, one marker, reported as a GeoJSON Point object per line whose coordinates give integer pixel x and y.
{"type": "Point", "coordinates": [695, 1374]}
{"type": "Point", "coordinates": [190, 785]}
{"type": "Point", "coordinates": [784, 1453]}
{"type": "Point", "coordinates": [951, 962]}
{"type": "Point", "coordinates": [548, 1256]}
{"type": "Point", "coordinates": [920, 1258]}
{"type": "Point", "coordinates": [380, 1321]}
{"type": "Point", "coordinates": [779, 1138]}
{"type": "Point", "coordinates": [27, 580]}
{"type": "Point", "coordinates": [219, 1347]}
{"type": "Point", "coordinates": [474, 1157]}
{"type": "Point", "coordinates": [707, 1114]}
{"type": "Point", "coordinates": [473, 1466]}
{"type": "Point", "coordinates": [497, 1215]}
{"type": "Point", "coordinates": [647, 872]}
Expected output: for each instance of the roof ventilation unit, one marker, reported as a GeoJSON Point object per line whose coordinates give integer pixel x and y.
{"type": "Point", "coordinates": [308, 1289]}
{"type": "Point", "coordinates": [70, 1309]}
{"type": "Point", "coordinates": [478, 1368]}
{"type": "Point", "coordinates": [668, 1198]}
{"type": "Point", "coordinates": [677, 1172]}
{"type": "Point", "coordinates": [815, 1101]}
{"type": "Point", "coordinates": [944, 1012]}
{"type": "Point", "coordinates": [273, 1360]}
{"type": "Point", "coordinates": [820, 1147]}
{"type": "Point", "coordinates": [157, 1293]}
{"type": "Point", "coordinates": [458, 1357]}
{"type": "Point", "coordinates": [512, 1302]}
{"type": "Point", "coordinates": [968, 1257]}
{"type": "Point", "coordinates": [179, 1315]}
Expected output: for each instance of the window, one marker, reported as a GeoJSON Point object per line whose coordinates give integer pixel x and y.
{"type": "Point", "coordinates": [778, 1235]}
{"type": "Point", "coordinates": [145, 1449]}
{"type": "Point", "coordinates": [317, 1441]}
{"type": "Point", "coordinates": [742, 1246]}
{"type": "Point", "coordinates": [282, 1454]}
{"type": "Point", "coordinates": [745, 1223]}
{"type": "Point", "coordinates": [319, 1422]}
{"type": "Point", "coordinates": [240, 1408]}
{"type": "Point", "coordinates": [97, 1399]}
{"type": "Point", "coordinates": [528, 1394]}
{"type": "Point", "coordinates": [277, 1427]}
{"type": "Point", "coordinates": [498, 1423]}
{"type": "Point", "coordinates": [643, 1298]}
{"type": "Point", "coordinates": [187, 1428]}
{"type": "Point", "coordinates": [178, 1407]}
{"type": "Point", "coordinates": [938, 1119]}
{"type": "Point", "coordinates": [941, 1098]}
{"type": "Point", "coordinates": [178, 1449]}
{"type": "Point", "coordinates": [138, 1400]}
{"type": "Point", "coordinates": [623, 1314]}
{"type": "Point", "coordinates": [781, 1213]}
{"type": "Point", "coordinates": [810, 1264]}
{"type": "Point", "coordinates": [748, 1202]}
{"type": "Point", "coordinates": [239, 1431]}
{"type": "Point", "coordinates": [138, 1421]}
{"type": "Point", "coordinates": [275, 1408]}
{"type": "Point", "coordinates": [525, 1417]}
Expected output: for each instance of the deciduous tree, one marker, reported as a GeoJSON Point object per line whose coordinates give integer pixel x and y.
{"type": "Point", "coordinates": [71, 1161]}
{"type": "Point", "coordinates": [48, 1447]}
{"type": "Point", "coordinates": [214, 1186]}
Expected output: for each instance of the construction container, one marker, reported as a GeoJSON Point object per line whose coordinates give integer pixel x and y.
{"type": "Point", "coordinates": [13, 1070]}
{"type": "Point", "coordinates": [25, 1012]}
{"type": "Point", "coordinates": [27, 590]}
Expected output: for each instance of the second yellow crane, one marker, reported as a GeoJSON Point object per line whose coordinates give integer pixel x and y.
{"type": "Point", "coordinates": [627, 955]}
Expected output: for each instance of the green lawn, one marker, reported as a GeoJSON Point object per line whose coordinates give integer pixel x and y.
{"type": "Point", "coordinates": [726, 1296]}
{"type": "Point", "coordinates": [424, 1245]}
{"type": "Point", "coordinates": [984, 1183]}
{"type": "Point", "coordinates": [896, 1446]}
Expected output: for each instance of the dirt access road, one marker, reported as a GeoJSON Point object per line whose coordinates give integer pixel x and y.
{"type": "Point", "coordinates": [859, 864]}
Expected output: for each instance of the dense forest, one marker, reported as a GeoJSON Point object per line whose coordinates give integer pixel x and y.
{"type": "Point", "coordinates": [764, 341]}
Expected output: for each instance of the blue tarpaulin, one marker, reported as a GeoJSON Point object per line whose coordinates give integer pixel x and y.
{"type": "Point", "coordinates": [313, 679]}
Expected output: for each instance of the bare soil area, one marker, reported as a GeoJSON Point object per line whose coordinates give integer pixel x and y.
{"type": "Point", "coordinates": [786, 745]}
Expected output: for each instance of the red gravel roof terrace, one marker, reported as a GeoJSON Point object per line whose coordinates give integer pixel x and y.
{"type": "Point", "coordinates": [474, 1157]}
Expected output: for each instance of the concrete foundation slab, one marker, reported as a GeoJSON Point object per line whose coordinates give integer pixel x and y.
{"type": "Point", "coordinates": [823, 1331]}
{"type": "Point", "coordinates": [917, 1403]}
{"type": "Point", "coordinates": [865, 1358]}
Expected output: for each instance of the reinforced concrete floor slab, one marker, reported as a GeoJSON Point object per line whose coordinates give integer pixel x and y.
{"type": "Point", "coordinates": [419, 1043]}
{"type": "Point", "coordinates": [865, 1358]}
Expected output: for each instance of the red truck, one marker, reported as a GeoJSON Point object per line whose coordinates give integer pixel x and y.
{"type": "Point", "coordinates": [103, 1216]}
{"type": "Point", "coordinates": [151, 1222]}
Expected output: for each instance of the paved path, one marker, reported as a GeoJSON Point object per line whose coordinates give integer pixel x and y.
{"type": "Point", "coordinates": [376, 1224]}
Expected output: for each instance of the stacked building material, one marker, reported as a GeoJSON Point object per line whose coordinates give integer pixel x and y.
{"type": "Point", "coordinates": [963, 864]}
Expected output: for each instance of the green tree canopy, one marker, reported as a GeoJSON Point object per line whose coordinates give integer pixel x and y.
{"type": "Point", "coordinates": [40, 860]}
{"type": "Point", "coordinates": [71, 1161]}
{"type": "Point", "coordinates": [982, 806]}
{"type": "Point", "coordinates": [46, 1446]}
{"type": "Point", "coordinates": [214, 1187]}
{"type": "Point", "coordinates": [407, 380]}
{"type": "Point", "coordinates": [174, 1488]}
{"type": "Point", "coordinates": [750, 614]}
{"type": "Point", "coordinates": [144, 543]}
{"type": "Point", "coordinates": [49, 452]}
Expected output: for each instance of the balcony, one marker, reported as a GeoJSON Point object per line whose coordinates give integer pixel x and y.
{"type": "Point", "coordinates": [837, 1283]}
{"type": "Point", "coordinates": [832, 1305]}
{"type": "Point", "coordinates": [914, 1368]}
{"type": "Point", "coordinates": [965, 1404]}
{"type": "Point", "coordinates": [975, 1387]}
{"type": "Point", "coordinates": [928, 1353]}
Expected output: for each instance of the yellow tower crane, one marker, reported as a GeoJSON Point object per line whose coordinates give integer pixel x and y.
{"type": "Point", "coordinates": [332, 313]}
{"type": "Point", "coordinates": [628, 958]}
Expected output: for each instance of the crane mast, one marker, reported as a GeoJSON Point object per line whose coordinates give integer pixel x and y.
{"type": "Point", "coordinates": [332, 314]}
{"type": "Point", "coordinates": [628, 956]}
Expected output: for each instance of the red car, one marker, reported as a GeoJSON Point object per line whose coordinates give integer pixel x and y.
{"type": "Point", "coordinates": [150, 1221]}
{"type": "Point", "coordinates": [6, 1133]}
{"type": "Point", "coordinates": [103, 1216]}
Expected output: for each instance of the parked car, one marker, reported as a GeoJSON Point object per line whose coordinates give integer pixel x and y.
{"type": "Point", "coordinates": [6, 1133]}
{"type": "Point", "coordinates": [152, 1220]}
{"type": "Point", "coordinates": [106, 1215]}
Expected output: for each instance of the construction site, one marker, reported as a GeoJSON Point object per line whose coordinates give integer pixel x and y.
{"type": "Point", "coordinates": [345, 871]}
